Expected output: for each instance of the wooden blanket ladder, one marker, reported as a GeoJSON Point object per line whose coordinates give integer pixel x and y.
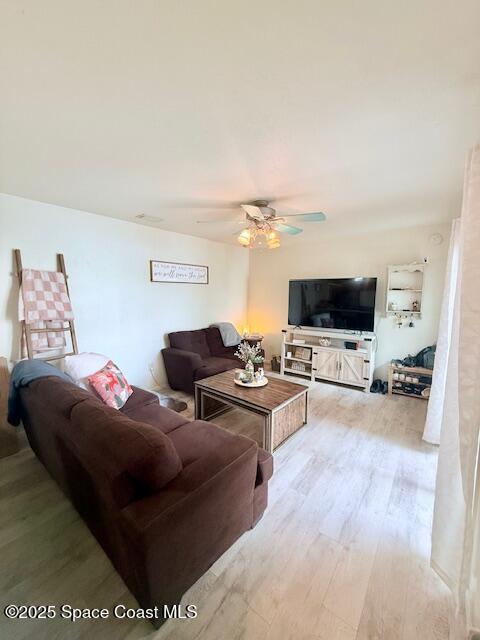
{"type": "Point", "coordinates": [68, 326]}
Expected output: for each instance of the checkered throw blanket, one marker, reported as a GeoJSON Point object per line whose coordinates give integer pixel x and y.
{"type": "Point", "coordinates": [44, 303]}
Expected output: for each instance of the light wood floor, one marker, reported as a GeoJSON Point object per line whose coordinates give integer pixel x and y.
{"type": "Point", "coordinates": [342, 552]}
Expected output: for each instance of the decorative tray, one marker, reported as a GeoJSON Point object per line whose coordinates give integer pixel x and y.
{"type": "Point", "coordinates": [260, 383]}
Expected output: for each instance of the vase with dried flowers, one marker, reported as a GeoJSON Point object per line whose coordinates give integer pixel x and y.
{"type": "Point", "coordinates": [250, 355]}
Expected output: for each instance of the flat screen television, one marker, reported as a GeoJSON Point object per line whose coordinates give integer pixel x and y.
{"type": "Point", "coordinates": [333, 303]}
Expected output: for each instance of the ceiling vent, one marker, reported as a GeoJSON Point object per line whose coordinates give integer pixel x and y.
{"type": "Point", "coordinates": [143, 217]}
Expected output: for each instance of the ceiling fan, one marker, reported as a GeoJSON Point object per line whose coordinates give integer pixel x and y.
{"type": "Point", "coordinates": [264, 225]}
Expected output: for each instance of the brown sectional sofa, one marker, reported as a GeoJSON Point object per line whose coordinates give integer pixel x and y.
{"type": "Point", "coordinates": [165, 497]}
{"type": "Point", "coordinates": [194, 355]}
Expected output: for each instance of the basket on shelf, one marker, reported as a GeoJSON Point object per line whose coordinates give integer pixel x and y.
{"type": "Point", "coordinates": [298, 366]}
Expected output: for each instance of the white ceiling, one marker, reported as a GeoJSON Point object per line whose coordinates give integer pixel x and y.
{"type": "Point", "coordinates": [364, 110]}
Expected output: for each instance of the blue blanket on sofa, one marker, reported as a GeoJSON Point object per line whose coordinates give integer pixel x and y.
{"type": "Point", "coordinates": [23, 373]}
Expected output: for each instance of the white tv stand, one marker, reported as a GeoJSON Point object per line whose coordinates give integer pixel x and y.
{"type": "Point", "coordinates": [333, 362]}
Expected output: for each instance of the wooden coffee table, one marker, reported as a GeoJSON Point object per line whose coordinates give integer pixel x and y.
{"type": "Point", "coordinates": [283, 405]}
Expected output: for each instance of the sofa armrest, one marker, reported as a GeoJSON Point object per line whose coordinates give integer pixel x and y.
{"type": "Point", "coordinates": [180, 366]}
{"type": "Point", "coordinates": [264, 467]}
{"type": "Point", "coordinates": [175, 535]}
{"type": "Point", "coordinates": [185, 358]}
{"type": "Point", "coordinates": [146, 517]}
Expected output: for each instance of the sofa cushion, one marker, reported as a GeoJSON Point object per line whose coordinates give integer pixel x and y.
{"type": "Point", "coordinates": [134, 458]}
{"type": "Point", "coordinates": [61, 395]}
{"type": "Point", "coordinates": [232, 356]}
{"type": "Point", "coordinates": [215, 344]}
{"type": "Point", "coordinates": [111, 385]}
{"type": "Point", "coordinates": [82, 365]}
{"type": "Point", "coordinates": [139, 398]}
{"type": "Point", "coordinates": [200, 439]}
{"type": "Point", "coordinates": [157, 416]}
{"type": "Point", "coordinates": [195, 341]}
{"type": "Point", "coordinates": [212, 366]}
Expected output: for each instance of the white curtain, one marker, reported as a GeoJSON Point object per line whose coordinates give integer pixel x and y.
{"type": "Point", "coordinates": [435, 411]}
{"type": "Point", "coordinates": [456, 502]}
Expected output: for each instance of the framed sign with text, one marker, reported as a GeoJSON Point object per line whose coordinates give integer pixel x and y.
{"type": "Point", "coordinates": [179, 272]}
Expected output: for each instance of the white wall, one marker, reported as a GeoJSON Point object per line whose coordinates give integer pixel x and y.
{"type": "Point", "coordinates": [118, 310]}
{"type": "Point", "coordinates": [121, 313]}
{"type": "Point", "coordinates": [344, 256]}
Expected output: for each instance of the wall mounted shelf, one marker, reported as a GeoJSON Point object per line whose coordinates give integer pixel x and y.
{"type": "Point", "coordinates": [405, 289]}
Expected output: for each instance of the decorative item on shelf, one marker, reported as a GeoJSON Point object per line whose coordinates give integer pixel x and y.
{"type": "Point", "coordinates": [289, 354]}
{"type": "Point", "coordinates": [298, 341]}
{"type": "Point", "coordinates": [324, 342]}
{"type": "Point", "coordinates": [392, 306]}
{"type": "Point", "coordinates": [303, 353]}
{"type": "Point", "coordinates": [415, 306]}
{"type": "Point", "coordinates": [298, 366]}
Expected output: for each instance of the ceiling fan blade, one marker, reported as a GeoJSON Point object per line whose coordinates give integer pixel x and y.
{"type": "Point", "coordinates": [286, 228]}
{"type": "Point", "coordinates": [253, 211]}
{"type": "Point", "coordinates": [318, 216]}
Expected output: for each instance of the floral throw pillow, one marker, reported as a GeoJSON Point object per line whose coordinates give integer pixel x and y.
{"type": "Point", "coordinates": [111, 385]}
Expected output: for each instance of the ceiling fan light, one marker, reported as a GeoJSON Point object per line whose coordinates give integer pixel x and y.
{"type": "Point", "coordinates": [273, 244]}
{"type": "Point", "coordinates": [245, 237]}
{"type": "Point", "coordinates": [273, 239]}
